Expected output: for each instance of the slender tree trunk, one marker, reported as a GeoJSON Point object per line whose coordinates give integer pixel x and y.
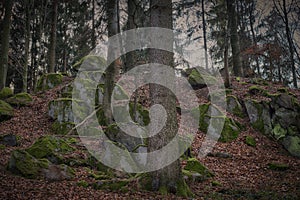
{"type": "Point", "coordinates": [252, 7]}
{"type": "Point", "coordinates": [234, 38]}
{"type": "Point", "coordinates": [27, 41]}
{"type": "Point", "coordinates": [113, 70]}
{"type": "Point", "coordinates": [169, 177]}
{"type": "Point", "coordinates": [93, 25]}
{"type": "Point", "coordinates": [291, 45]}
{"type": "Point", "coordinates": [5, 42]}
{"type": "Point", "coordinates": [226, 68]}
{"type": "Point", "coordinates": [53, 38]}
{"type": "Point", "coordinates": [204, 35]}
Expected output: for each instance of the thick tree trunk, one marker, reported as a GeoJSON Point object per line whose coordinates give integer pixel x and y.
{"type": "Point", "coordinates": [113, 70]}
{"type": "Point", "coordinates": [5, 42]}
{"type": "Point", "coordinates": [234, 38]}
{"type": "Point", "coordinates": [53, 38]}
{"type": "Point", "coordinates": [254, 40]}
{"type": "Point", "coordinates": [169, 178]}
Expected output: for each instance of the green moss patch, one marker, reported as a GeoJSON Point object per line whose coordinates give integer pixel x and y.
{"type": "Point", "coordinates": [256, 90]}
{"type": "Point", "coordinates": [6, 92]}
{"type": "Point", "coordinates": [250, 141]}
{"type": "Point", "coordinates": [6, 111]}
{"type": "Point", "coordinates": [62, 128]}
{"type": "Point", "coordinates": [48, 81]}
{"type": "Point", "coordinates": [278, 166]}
{"type": "Point", "coordinates": [50, 147]}
{"type": "Point", "coordinates": [193, 165]}
{"type": "Point", "coordinates": [279, 132]}
{"type": "Point", "coordinates": [20, 99]}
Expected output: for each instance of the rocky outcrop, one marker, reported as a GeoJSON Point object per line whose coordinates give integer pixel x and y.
{"type": "Point", "coordinates": [48, 81]}
{"type": "Point", "coordinates": [20, 99]}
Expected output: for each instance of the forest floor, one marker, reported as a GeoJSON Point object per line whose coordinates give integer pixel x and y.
{"type": "Point", "coordinates": [245, 175]}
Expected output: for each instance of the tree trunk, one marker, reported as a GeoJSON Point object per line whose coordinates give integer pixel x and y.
{"type": "Point", "coordinates": [204, 35]}
{"type": "Point", "coordinates": [254, 40]}
{"type": "Point", "coordinates": [53, 38]}
{"type": "Point", "coordinates": [234, 38]}
{"type": "Point", "coordinates": [226, 68]}
{"type": "Point", "coordinates": [93, 25]}
{"type": "Point", "coordinates": [291, 45]}
{"type": "Point", "coordinates": [27, 41]}
{"type": "Point", "coordinates": [168, 179]}
{"type": "Point", "coordinates": [113, 70]}
{"type": "Point", "coordinates": [5, 42]}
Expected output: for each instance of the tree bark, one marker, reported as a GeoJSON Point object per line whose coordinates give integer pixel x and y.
{"type": "Point", "coordinates": [169, 178]}
{"type": "Point", "coordinates": [27, 41]}
{"type": "Point", "coordinates": [53, 38]}
{"type": "Point", "coordinates": [204, 35]}
{"type": "Point", "coordinates": [113, 70]}
{"type": "Point", "coordinates": [5, 42]}
{"type": "Point", "coordinates": [234, 38]}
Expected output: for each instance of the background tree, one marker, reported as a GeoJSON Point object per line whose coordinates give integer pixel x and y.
{"type": "Point", "coordinates": [52, 45]}
{"type": "Point", "coordinates": [5, 42]}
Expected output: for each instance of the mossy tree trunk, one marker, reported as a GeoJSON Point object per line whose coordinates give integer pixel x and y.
{"type": "Point", "coordinates": [6, 25]}
{"type": "Point", "coordinates": [113, 70]}
{"type": "Point", "coordinates": [53, 38]}
{"type": "Point", "coordinates": [234, 38]}
{"type": "Point", "coordinates": [168, 179]}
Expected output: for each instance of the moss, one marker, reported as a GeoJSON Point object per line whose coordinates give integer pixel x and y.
{"type": "Point", "coordinates": [282, 90]}
{"type": "Point", "coordinates": [48, 81]}
{"type": "Point", "coordinates": [259, 125]}
{"type": "Point", "coordinates": [83, 183]}
{"type": "Point", "coordinates": [6, 92]}
{"type": "Point", "coordinates": [51, 148]}
{"type": "Point", "coordinates": [230, 130]}
{"type": "Point", "coordinates": [20, 99]}
{"type": "Point", "coordinates": [216, 183]}
{"type": "Point", "coordinates": [270, 95]}
{"type": "Point", "coordinates": [24, 164]}
{"type": "Point", "coordinates": [238, 79]}
{"type": "Point", "coordinates": [71, 140]}
{"type": "Point", "coordinates": [118, 185]}
{"type": "Point", "coordinates": [101, 116]}
{"type": "Point", "coordinates": [62, 128]}
{"type": "Point", "coordinates": [91, 62]}
{"type": "Point", "coordinates": [203, 108]}
{"type": "Point", "coordinates": [279, 132]}
{"type": "Point", "coordinates": [250, 141]}
{"type": "Point", "coordinates": [143, 117]}
{"type": "Point", "coordinates": [194, 165]}
{"type": "Point", "coordinates": [234, 106]}
{"type": "Point", "coordinates": [6, 111]}
{"type": "Point", "coordinates": [2, 147]}
{"type": "Point", "coordinates": [254, 89]}
{"type": "Point", "coordinates": [228, 91]}
{"type": "Point", "coordinates": [278, 166]}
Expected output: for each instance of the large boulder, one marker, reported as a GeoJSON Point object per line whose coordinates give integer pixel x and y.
{"type": "Point", "coordinates": [48, 81]}
{"type": "Point", "coordinates": [51, 148]}
{"type": "Point", "coordinates": [6, 92]}
{"type": "Point", "coordinates": [214, 119]}
{"type": "Point", "coordinates": [24, 164]}
{"type": "Point", "coordinates": [292, 144]}
{"type": "Point", "coordinates": [199, 77]}
{"type": "Point", "coordinates": [6, 111]}
{"type": "Point", "coordinates": [234, 106]}
{"type": "Point", "coordinates": [61, 110]}
{"type": "Point", "coordinates": [20, 99]}
{"type": "Point", "coordinates": [9, 140]}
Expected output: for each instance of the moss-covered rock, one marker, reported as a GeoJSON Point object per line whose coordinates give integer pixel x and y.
{"type": "Point", "coordinates": [51, 148]}
{"type": "Point", "coordinates": [91, 63]}
{"type": "Point", "coordinates": [57, 172]}
{"type": "Point", "coordinates": [62, 128]}
{"type": "Point", "coordinates": [20, 99]}
{"type": "Point", "coordinates": [250, 141]}
{"type": "Point", "coordinates": [24, 164]}
{"type": "Point", "coordinates": [193, 165]}
{"type": "Point", "coordinates": [254, 89]}
{"type": "Point", "coordinates": [61, 110]}
{"type": "Point", "coordinates": [279, 132]}
{"type": "Point", "coordinates": [234, 106]}
{"type": "Point", "coordinates": [6, 92]}
{"type": "Point", "coordinates": [292, 144]}
{"type": "Point", "coordinates": [199, 79]}
{"type": "Point", "coordinates": [48, 81]}
{"type": "Point", "coordinates": [6, 111]}
{"type": "Point", "coordinates": [115, 185]}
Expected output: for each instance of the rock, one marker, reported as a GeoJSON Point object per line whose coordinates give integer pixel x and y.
{"type": "Point", "coordinates": [24, 164]}
{"type": "Point", "coordinates": [199, 78]}
{"type": "Point", "coordinates": [90, 63]}
{"type": "Point", "coordinates": [234, 106]}
{"type": "Point", "coordinates": [6, 111]}
{"type": "Point", "coordinates": [286, 117]}
{"type": "Point", "coordinates": [279, 132]}
{"type": "Point", "coordinates": [48, 81]}
{"type": "Point", "coordinates": [61, 110]}
{"type": "Point", "coordinates": [292, 144]}
{"type": "Point", "coordinates": [20, 99]}
{"type": "Point", "coordinates": [6, 92]}
{"type": "Point", "coordinates": [9, 140]}
{"type": "Point", "coordinates": [219, 155]}
{"type": "Point", "coordinates": [51, 148]}
{"type": "Point", "coordinates": [286, 101]}
{"type": "Point", "coordinates": [57, 172]}
{"type": "Point", "coordinates": [211, 115]}
{"type": "Point", "coordinates": [193, 165]}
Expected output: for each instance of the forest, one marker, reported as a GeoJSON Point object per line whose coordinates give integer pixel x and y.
{"type": "Point", "coordinates": [148, 99]}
